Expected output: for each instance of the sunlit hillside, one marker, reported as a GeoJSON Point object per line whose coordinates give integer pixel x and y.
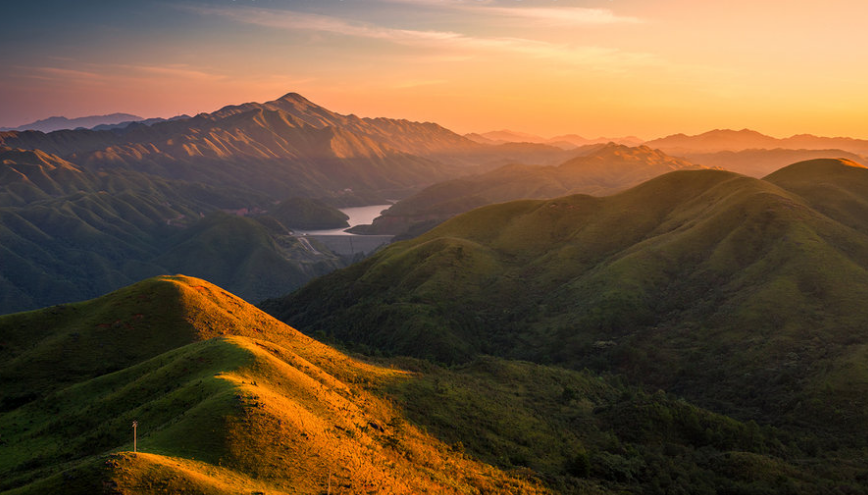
{"type": "Point", "coordinates": [227, 399]}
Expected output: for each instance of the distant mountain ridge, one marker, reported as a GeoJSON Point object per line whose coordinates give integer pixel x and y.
{"type": "Point", "coordinates": [52, 124]}
{"type": "Point", "coordinates": [730, 140]}
{"type": "Point", "coordinates": [598, 170]}
{"type": "Point", "coordinates": [567, 141]}
{"type": "Point", "coordinates": [714, 141]}
{"type": "Point", "coordinates": [127, 123]}
{"type": "Point", "coordinates": [287, 147]}
{"type": "Point", "coordinates": [761, 162]}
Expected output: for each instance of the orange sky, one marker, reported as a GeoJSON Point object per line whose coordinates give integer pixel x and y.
{"type": "Point", "coordinates": [591, 67]}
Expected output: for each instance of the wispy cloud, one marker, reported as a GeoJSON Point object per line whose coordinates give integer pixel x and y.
{"type": "Point", "coordinates": [174, 71]}
{"type": "Point", "coordinates": [555, 15]}
{"type": "Point", "coordinates": [58, 72]}
{"type": "Point", "coordinates": [299, 22]}
{"type": "Point", "coordinates": [567, 16]}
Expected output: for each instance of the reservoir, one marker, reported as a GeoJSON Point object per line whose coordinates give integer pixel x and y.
{"type": "Point", "coordinates": [347, 244]}
{"type": "Point", "coordinates": [359, 215]}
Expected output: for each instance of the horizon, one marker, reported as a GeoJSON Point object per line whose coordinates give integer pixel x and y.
{"type": "Point", "coordinates": [644, 139]}
{"type": "Point", "coordinates": [542, 67]}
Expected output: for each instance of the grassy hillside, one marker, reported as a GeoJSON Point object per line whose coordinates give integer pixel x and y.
{"type": "Point", "coordinates": [741, 294]}
{"type": "Point", "coordinates": [228, 400]}
{"type": "Point", "coordinates": [595, 434]}
{"type": "Point", "coordinates": [245, 255]}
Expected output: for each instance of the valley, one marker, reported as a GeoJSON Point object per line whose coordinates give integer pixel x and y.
{"type": "Point", "coordinates": [375, 305]}
{"type": "Point", "coordinates": [419, 247]}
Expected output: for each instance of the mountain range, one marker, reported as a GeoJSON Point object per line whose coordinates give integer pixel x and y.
{"type": "Point", "coordinates": [743, 295]}
{"type": "Point", "coordinates": [746, 151]}
{"type": "Point", "coordinates": [745, 139]}
{"type": "Point", "coordinates": [85, 211]}
{"type": "Point", "coordinates": [127, 123]}
{"type": "Point", "coordinates": [597, 170]}
{"type": "Point", "coordinates": [52, 124]}
{"type": "Point", "coordinates": [567, 141]}
{"type": "Point", "coordinates": [264, 147]}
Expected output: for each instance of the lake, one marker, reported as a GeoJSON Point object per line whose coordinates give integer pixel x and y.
{"type": "Point", "coordinates": [359, 215]}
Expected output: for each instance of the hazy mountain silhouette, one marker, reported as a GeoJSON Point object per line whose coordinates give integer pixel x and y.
{"type": "Point", "coordinates": [152, 121]}
{"type": "Point", "coordinates": [566, 141]}
{"type": "Point", "coordinates": [746, 139]}
{"type": "Point", "coordinates": [598, 170]}
{"type": "Point", "coordinates": [761, 162]}
{"type": "Point", "coordinates": [57, 123]}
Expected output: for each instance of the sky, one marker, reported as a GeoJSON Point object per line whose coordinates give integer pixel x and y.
{"type": "Point", "coordinates": [610, 68]}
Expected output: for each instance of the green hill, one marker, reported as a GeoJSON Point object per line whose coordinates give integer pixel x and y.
{"type": "Point", "coordinates": [744, 295]}
{"type": "Point", "coordinates": [229, 400]}
{"type": "Point", "coordinates": [68, 234]}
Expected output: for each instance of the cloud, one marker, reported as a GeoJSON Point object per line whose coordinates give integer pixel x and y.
{"type": "Point", "coordinates": [448, 40]}
{"type": "Point", "coordinates": [551, 16]}
{"type": "Point", "coordinates": [57, 72]}
{"type": "Point", "coordinates": [298, 21]}
{"type": "Point", "coordinates": [568, 16]}
{"type": "Point", "coordinates": [174, 71]}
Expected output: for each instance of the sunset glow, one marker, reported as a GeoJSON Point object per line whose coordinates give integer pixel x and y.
{"type": "Point", "coordinates": [592, 67]}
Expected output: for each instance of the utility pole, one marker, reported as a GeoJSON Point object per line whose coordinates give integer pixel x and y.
{"type": "Point", "coordinates": [135, 425]}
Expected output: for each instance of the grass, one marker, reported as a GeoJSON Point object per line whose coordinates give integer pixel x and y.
{"type": "Point", "coordinates": [585, 433]}
{"type": "Point", "coordinates": [733, 292]}
{"type": "Point", "coordinates": [238, 401]}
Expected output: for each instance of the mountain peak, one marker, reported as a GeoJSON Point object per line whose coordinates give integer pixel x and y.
{"type": "Point", "coordinates": [294, 98]}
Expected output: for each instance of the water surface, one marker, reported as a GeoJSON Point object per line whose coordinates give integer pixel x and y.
{"type": "Point", "coordinates": [359, 215]}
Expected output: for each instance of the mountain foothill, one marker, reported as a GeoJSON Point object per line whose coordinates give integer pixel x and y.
{"type": "Point", "coordinates": [557, 315]}
{"type": "Point", "coordinates": [743, 295]}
